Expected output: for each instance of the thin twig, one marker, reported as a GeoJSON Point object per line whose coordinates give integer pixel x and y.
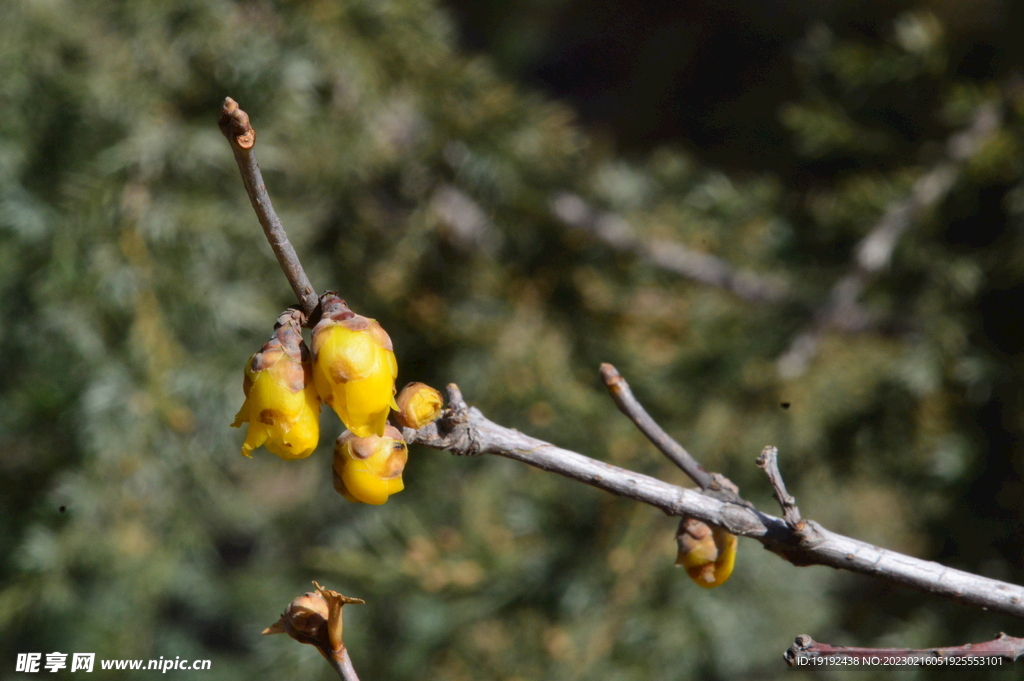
{"type": "Point", "coordinates": [715, 484]}
{"type": "Point", "coordinates": [627, 403]}
{"type": "Point", "coordinates": [769, 462]}
{"type": "Point", "coordinates": [805, 649]}
{"type": "Point", "coordinates": [463, 430]}
{"type": "Point", "coordinates": [342, 664]}
{"type": "Point", "coordinates": [234, 123]}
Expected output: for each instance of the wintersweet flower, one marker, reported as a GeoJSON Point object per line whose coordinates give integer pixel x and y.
{"type": "Point", "coordinates": [281, 405]}
{"type": "Point", "coordinates": [369, 469]}
{"type": "Point", "coordinates": [708, 554]}
{"type": "Point", "coordinates": [418, 405]}
{"type": "Point", "coordinates": [354, 367]}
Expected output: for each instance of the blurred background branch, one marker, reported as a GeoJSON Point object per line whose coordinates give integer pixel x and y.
{"type": "Point", "coordinates": [703, 268]}
{"type": "Point", "coordinates": [874, 252]}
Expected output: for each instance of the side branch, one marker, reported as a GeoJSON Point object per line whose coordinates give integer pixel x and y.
{"type": "Point", "coordinates": [463, 430]}
{"type": "Point", "coordinates": [234, 123]}
{"type": "Point", "coordinates": [769, 462]}
{"type": "Point", "coordinates": [627, 403]}
{"type": "Point", "coordinates": [712, 484]}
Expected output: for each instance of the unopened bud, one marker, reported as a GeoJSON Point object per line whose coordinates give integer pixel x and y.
{"type": "Point", "coordinates": [418, 405]}
{"type": "Point", "coordinates": [369, 469]}
{"type": "Point", "coordinates": [354, 367]}
{"type": "Point", "coordinates": [708, 554]}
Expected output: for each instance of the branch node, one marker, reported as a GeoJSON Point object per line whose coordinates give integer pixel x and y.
{"type": "Point", "coordinates": [234, 123]}
{"type": "Point", "coordinates": [455, 400]}
{"type": "Point", "coordinates": [452, 431]}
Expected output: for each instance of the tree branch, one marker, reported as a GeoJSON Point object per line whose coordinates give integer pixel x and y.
{"type": "Point", "coordinates": [234, 123]}
{"type": "Point", "coordinates": [465, 431]}
{"type": "Point", "coordinates": [342, 664]}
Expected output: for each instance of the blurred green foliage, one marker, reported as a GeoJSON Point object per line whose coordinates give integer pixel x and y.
{"type": "Point", "coordinates": [134, 283]}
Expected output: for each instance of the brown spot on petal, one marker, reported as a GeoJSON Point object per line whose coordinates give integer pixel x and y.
{"type": "Point", "coordinates": [380, 336]}
{"type": "Point", "coordinates": [695, 528]}
{"type": "Point", "coordinates": [292, 375]}
{"type": "Point", "coordinates": [705, 573]}
{"type": "Point", "coordinates": [396, 461]}
{"type": "Point", "coordinates": [267, 357]}
{"type": "Point", "coordinates": [362, 447]}
{"type": "Point", "coordinates": [356, 323]}
{"type": "Point", "coordinates": [267, 416]}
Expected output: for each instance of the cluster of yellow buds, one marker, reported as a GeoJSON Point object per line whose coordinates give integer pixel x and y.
{"type": "Point", "coordinates": [352, 368]}
{"type": "Point", "coordinates": [708, 554]}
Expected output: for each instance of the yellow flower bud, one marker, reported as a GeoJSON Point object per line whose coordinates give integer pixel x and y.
{"type": "Point", "coordinates": [281, 405]}
{"type": "Point", "coordinates": [418, 405]}
{"type": "Point", "coordinates": [354, 367]}
{"type": "Point", "coordinates": [708, 554]}
{"type": "Point", "coordinates": [369, 469]}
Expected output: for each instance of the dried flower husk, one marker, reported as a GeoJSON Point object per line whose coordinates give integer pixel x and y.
{"type": "Point", "coordinates": [315, 618]}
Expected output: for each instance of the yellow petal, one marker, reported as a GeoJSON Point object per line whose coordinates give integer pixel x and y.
{"type": "Point", "coordinates": [347, 355]}
{"type": "Point", "coordinates": [281, 405]}
{"type": "Point", "coordinates": [364, 485]}
{"type": "Point", "coordinates": [369, 469]}
{"type": "Point", "coordinates": [355, 375]}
